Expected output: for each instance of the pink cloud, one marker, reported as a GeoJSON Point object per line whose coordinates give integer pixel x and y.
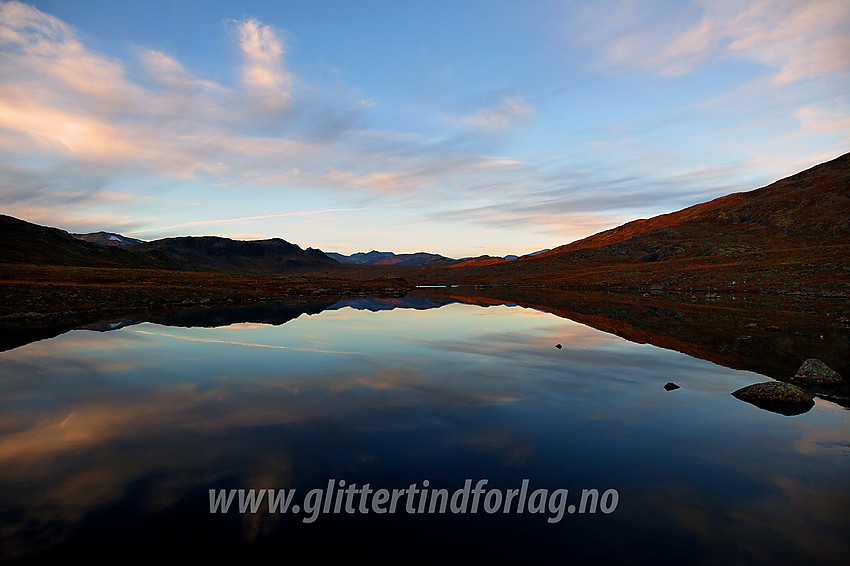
{"type": "Point", "coordinates": [794, 39]}
{"type": "Point", "coordinates": [263, 73]}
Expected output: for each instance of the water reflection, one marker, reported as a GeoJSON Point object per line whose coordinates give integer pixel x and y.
{"type": "Point", "coordinates": [112, 439]}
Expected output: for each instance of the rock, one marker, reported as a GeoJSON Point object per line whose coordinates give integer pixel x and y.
{"type": "Point", "coordinates": [772, 328]}
{"type": "Point", "coordinates": [670, 386]}
{"type": "Point", "coordinates": [558, 346]}
{"type": "Point", "coordinates": [776, 396]}
{"type": "Point", "coordinates": [751, 326]}
{"type": "Point", "coordinates": [816, 372]}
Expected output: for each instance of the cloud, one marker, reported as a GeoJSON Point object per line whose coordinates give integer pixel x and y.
{"type": "Point", "coordinates": [263, 72]}
{"type": "Point", "coordinates": [798, 39]}
{"type": "Point", "coordinates": [794, 39]}
{"type": "Point", "coordinates": [70, 105]}
{"type": "Point", "coordinates": [506, 115]}
{"type": "Point", "coordinates": [82, 136]}
{"type": "Point", "coordinates": [818, 118]}
{"type": "Point", "coordinates": [67, 197]}
{"type": "Point", "coordinates": [44, 47]}
{"type": "Point", "coordinates": [168, 71]}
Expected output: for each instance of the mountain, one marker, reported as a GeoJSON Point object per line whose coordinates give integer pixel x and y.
{"type": "Point", "coordinates": [107, 239]}
{"type": "Point", "coordinates": [28, 243]}
{"type": "Point", "coordinates": [387, 258]}
{"type": "Point", "coordinates": [791, 237]}
{"type": "Point", "coordinates": [361, 258]}
{"type": "Point", "coordinates": [269, 256]}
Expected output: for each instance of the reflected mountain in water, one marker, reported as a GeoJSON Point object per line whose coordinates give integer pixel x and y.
{"type": "Point", "coordinates": [771, 336]}
{"type": "Point", "coordinates": [274, 313]}
{"type": "Point", "coordinates": [375, 304]}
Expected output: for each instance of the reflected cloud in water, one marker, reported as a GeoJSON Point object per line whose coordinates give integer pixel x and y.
{"type": "Point", "coordinates": [143, 419]}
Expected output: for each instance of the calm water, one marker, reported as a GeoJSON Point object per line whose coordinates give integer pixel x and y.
{"type": "Point", "coordinates": [111, 441]}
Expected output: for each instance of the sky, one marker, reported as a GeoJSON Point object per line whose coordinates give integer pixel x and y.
{"type": "Point", "coordinates": [461, 128]}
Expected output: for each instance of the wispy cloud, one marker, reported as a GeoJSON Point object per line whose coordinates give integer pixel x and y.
{"type": "Point", "coordinates": [509, 113]}
{"type": "Point", "coordinates": [794, 39]}
{"type": "Point", "coordinates": [243, 219]}
{"type": "Point", "coordinates": [168, 71]}
{"type": "Point", "coordinates": [818, 118]}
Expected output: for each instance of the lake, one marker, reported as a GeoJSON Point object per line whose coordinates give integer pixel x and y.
{"type": "Point", "coordinates": [408, 429]}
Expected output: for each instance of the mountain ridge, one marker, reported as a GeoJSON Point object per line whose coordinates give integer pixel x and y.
{"type": "Point", "coordinates": [791, 236]}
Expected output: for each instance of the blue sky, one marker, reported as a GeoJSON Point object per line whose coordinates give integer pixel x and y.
{"type": "Point", "coordinates": [459, 128]}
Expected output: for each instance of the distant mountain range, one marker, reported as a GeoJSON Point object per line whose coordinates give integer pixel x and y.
{"type": "Point", "coordinates": [511, 256]}
{"type": "Point", "coordinates": [387, 258]}
{"type": "Point", "coordinates": [361, 258]}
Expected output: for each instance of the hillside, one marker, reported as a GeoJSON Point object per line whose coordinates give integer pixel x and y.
{"type": "Point", "coordinates": [27, 243]}
{"type": "Point", "coordinates": [792, 236]}
{"type": "Point", "coordinates": [812, 206]}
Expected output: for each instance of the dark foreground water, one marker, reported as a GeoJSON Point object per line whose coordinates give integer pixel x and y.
{"type": "Point", "coordinates": [110, 443]}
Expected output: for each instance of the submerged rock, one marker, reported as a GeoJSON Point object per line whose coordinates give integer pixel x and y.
{"type": "Point", "coordinates": [815, 371]}
{"type": "Point", "coordinates": [670, 386]}
{"type": "Point", "coordinates": [777, 397]}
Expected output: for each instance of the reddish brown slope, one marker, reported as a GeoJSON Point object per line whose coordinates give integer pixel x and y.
{"type": "Point", "coordinates": [811, 205]}
{"type": "Point", "coordinates": [792, 236]}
